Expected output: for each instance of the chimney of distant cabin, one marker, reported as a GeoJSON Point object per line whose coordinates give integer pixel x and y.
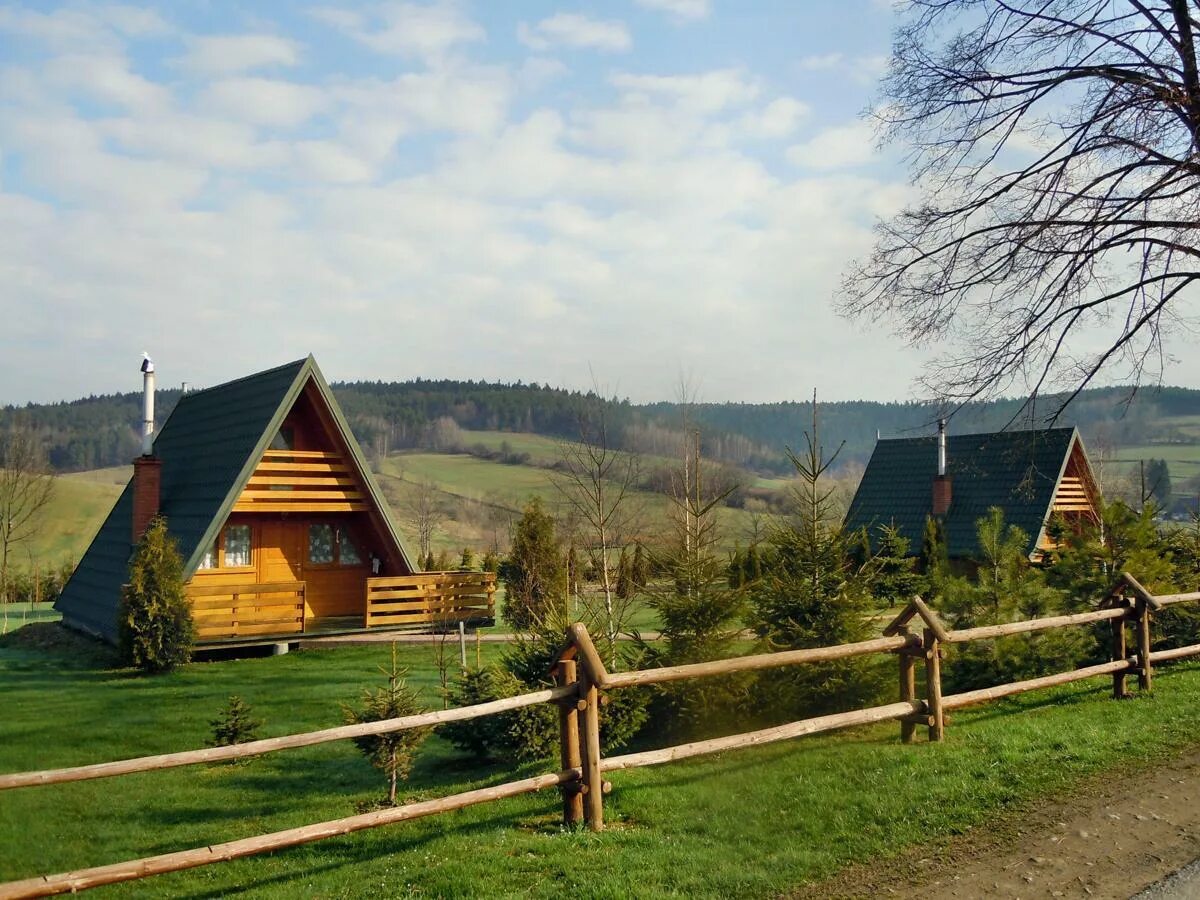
{"type": "Point", "coordinates": [147, 468]}
{"type": "Point", "coordinates": [941, 482]}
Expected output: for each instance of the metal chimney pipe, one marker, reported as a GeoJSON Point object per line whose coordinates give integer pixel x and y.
{"type": "Point", "coordinates": [941, 447]}
{"type": "Point", "coordinates": [147, 405]}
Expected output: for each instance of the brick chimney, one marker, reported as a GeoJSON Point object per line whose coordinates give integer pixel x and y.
{"type": "Point", "coordinates": [147, 468]}
{"type": "Point", "coordinates": [942, 492]}
{"type": "Point", "coordinates": [147, 479]}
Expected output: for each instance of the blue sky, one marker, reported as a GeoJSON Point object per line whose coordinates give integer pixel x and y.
{"type": "Point", "coordinates": [547, 191]}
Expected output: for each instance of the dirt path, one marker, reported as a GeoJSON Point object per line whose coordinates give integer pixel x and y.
{"type": "Point", "coordinates": [1113, 838]}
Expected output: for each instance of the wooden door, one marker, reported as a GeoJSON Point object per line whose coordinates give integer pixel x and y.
{"type": "Point", "coordinates": [281, 552]}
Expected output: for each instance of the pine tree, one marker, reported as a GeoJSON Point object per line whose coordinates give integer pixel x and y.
{"type": "Point", "coordinates": [443, 561]}
{"type": "Point", "coordinates": [391, 752]}
{"type": "Point", "coordinates": [641, 568]}
{"type": "Point", "coordinates": [624, 586]}
{"type": "Point", "coordinates": [752, 565]}
{"type": "Point", "coordinates": [534, 574]}
{"type": "Point", "coordinates": [934, 560]}
{"type": "Point", "coordinates": [234, 724]}
{"type": "Point", "coordinates": [813, 594]}
{"type": "Point", "coordinates": [895, 578]}
{"type": "Point", "coordinates": [429, 565]}
{"type": "Point", "coordinates": [156, 632]}
{"type": "Point", "coordinates": [735, 571]}
{"type": "Point", "coordinates": [467, 561]}
{"type": "Point", "coordinates": [491, 562]}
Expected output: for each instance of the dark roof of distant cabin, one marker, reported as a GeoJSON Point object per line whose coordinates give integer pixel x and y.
{"type": "Point", "coordinates": [204, 446]}
{"type": "Point", "coordinates": [1017, 471]}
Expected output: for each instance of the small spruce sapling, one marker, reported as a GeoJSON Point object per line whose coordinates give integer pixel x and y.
{"type": "Point", "coordinates": [392, 753]}
{"type": "Point", "coordinates": [156, 632]}
{"type": "Point", "coordinates": [234, 725]}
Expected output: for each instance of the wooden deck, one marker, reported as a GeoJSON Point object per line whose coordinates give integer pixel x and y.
{"type": "Point", "coordinates": [250, 614]}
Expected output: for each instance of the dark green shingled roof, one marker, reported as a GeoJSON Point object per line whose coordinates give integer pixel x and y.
{"type": "Point", "coordinates": [1014, 470]}
{"type": "Point", "coordinates": [209, 447]}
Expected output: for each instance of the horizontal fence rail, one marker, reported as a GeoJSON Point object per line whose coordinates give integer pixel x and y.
{"type": "Point", "coordinates": [580, 676]}
{"type": "Point", "coordinates": [241, 610]}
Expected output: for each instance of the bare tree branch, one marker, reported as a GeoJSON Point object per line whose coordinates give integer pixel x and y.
{"type": "Point", "coordinates": [1054, 144]}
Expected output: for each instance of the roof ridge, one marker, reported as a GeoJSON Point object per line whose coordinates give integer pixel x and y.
{"type": "Point", "coordinates": [232, 382]}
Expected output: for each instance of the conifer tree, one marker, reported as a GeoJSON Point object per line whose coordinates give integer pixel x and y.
{"type": "Point", "coordinates": [534, 573]}
{"type": "Point", "coordinates": [624, 586]}
{"type": "Point", "coordinates": [234, 725]}
{"type": "Point", "coordinates": [641, 568]}
{"type": "Point", "coordinates": [814, 594]}
{"type": "Point", "coordinates": [155, 629]}
{"type": "Point", "coordinates": [391, 752]}
{"type": "Point", "coordinates": [468, 559]}
{"type": "Point", "coordinates": [895, 578]}
{"type": "Point", "coordinates": [430, 565]}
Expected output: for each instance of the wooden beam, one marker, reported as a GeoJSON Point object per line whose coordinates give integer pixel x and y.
{"type": "Point", "coordinates": [82, 879]}
{"type": "Point", "coordinates": [286, 742]}
{"type": "Point", "coordinates": [970, 698]}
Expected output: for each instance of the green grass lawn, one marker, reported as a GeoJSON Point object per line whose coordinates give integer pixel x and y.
{"type": "Point", "coordinates": [752, 823]}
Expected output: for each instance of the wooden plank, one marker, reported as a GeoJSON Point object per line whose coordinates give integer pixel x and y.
{"type": "Point", "coordinates": [301, 454]}
{"type": "Point", "coordinates": [313, 480]}
{"type": "Point", "coordinates": [374, 619]}
{"type": "Point", "coordinates": [759, 661]}
{"type": "Point", "coordinates": [265, 587]}
{"type": "Point", "coordinates": [986, 632]}
{"type": "Point", "coordinates": [329, 494]}
{"type": "Point", "coordinates": [304, 506]}
{"type": "Point", "coordinates": [82, 879]}
{"type": "Point", "coordinates": [377, 608]}
{"type": "Point", "coordinates": [328, 467]}
{"type": "Point", "coordinates": [1175, 653]}
{"type": "Point", "coordinates": [982, 695]}
{"type": "Point", "coordinates": [284, 742]}
{"type": "Point", "coordinates": [804, 727]}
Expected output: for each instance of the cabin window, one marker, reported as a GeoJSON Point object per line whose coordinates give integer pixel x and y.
{"type": "Point", "coordinates": [320, 544]}
{"type": "Point", "coordinates": [209, 560]}
{"type": "Point", "coordinates": [285, 438]}
{"type": "Point", "coordinates": [348, 553]}
{"type": "Point", "coordinates": [328, 546]}
{"type": "Point", "coordinates": [231, 549]}
{"type": "Point", "coordinates": [237, 546]}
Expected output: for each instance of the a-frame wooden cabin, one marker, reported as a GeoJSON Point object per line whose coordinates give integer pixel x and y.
{"type": "Point", "coordinates": [281, 525]}
{"type": "Point", "coordinates": [1030, 475]}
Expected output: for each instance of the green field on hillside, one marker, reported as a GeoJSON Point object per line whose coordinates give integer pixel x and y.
{"type": "Point", "coordinates": [76, 511]}
{"type": "Point", "coordinates": [508, 487]}
{"type": "Point", "coordinates": [752, 823]}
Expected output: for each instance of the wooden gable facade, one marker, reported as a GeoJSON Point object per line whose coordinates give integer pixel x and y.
{"type": "Point", "coordinates": [279, 519]}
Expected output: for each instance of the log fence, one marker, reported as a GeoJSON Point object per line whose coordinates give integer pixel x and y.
{"type": "Point", "coordinates": [581, 679]}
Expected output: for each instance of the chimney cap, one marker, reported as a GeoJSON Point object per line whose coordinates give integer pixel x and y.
{"type": "Point", "coordinates": [147, 363]}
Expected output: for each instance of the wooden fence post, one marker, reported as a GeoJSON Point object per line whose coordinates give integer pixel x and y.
{"type": "Point", "coordinates": [1143, 651]}
{"type": "Point", "coordinates": [933, 685]}
{"type": "Point", "coordinates": [1119, 651]}
{"type": "Point", "coordinates": [568, 735]}
{"type": "Point", "coordinates": [908, 688]}
{"type": "Point", "coordinates": [589, 738]}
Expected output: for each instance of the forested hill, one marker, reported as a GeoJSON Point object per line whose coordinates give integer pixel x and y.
{"type": "Point", "coordinates": [103, 430]}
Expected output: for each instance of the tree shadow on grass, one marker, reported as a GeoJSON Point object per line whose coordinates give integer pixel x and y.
{"type": "Point", "coordinates": [349, 853]}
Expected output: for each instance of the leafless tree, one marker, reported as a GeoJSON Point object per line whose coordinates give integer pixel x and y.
{"type": "Point", "coordinates": [424, 512]}
{"type": "Point", "coordinates": [26, 487]}
{"type": "Point", "coordinates": [1054, 147]}
{"type": "Point", "coordinates": [598, 483]}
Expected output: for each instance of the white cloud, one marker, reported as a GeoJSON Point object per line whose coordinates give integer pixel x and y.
{"type": "Point", "coordinates": [574, 30]}
{"type": "Point", "coordinates": [706, 93]}
{"type": "Point", "coordinates": [820, 62]}
{"type": "Point", "coordinates": [840, 147]}
{"type": "Point", "coordinates": [87, 27]}
{"type": "Point", "coordinates": [683, 10]}
{"type": "Point", "coordinates": [230, 54]}
{"type": "Point", "coordinates": [263, 101]}
{"type": "Point", "coordinates": [407, 29]}
{"type": "Point", "coordinates": [778, 119]}
{"type": "Point", "coordinates": [106, 78]}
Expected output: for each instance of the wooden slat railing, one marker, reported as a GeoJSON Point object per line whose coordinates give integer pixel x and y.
{"type": "Point", "coordinates": [247, 610]}
{"type": "Point", "coordinates": [581, 676]}
{"type": "Point", "coordinates": [431, 598]}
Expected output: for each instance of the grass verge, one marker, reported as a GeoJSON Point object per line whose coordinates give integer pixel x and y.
{"type": "Point", "coordinates": [754, 823]}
